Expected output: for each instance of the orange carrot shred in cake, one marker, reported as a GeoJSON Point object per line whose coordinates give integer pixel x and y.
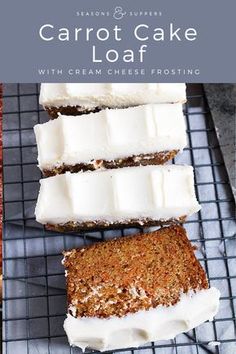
{"type": "Point", "coordinates": [128, 291]}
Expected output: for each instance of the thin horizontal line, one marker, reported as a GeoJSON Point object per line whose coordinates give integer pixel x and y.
{"type": "Point", "coordinates": [195, 113]}
{"type": "Point", "coordinates": [16, 130]}
{"type": "Point", "coordinates": [148, 347]}
{"type": "Point", "coordinates": [209, 220]}
{"type": "Point", "coordinates": [20, 112]}
{"type": "Point", "coordinates": [64, 315]}
{"type": "Point", "coordinates": [229, 200]}
{"type": "Point", "coordinates": [37, 94]}
{"type": "Point", "coordinates": [21, 95]}
{"type": "Point", "coordinates": [32, 317]}
{"type": "Point", "coordinates": [19, 147]}
{"type": "Point", "coordinates": [195, 184]}
{"type": "Point", "coordinates": [30, 128]}
{"type": "Point", "coordinates": [23, 182]}
{"type": "Point", "coordinates": [20, 164]}
{"type": "Point", "coordinates": [186, 112]}
{"type": "Point", "coordinates": [23, 200]}
{"type": "Point", "coordinates": [32, 338]}
{"type": "Point", "coordinates": [207, 147]}
{"type": "Point", "coordinates": [63, 293]}
{"type": "Point", "coordinates": [55, 234]}
{"type": "Point", "coordinates": [204, 130]}
{"type": "Point", "coordinates": [99, 230]}
{"type": "Point", "coordinates": [37, 296]}
{"type": "Point", "coordinates": [20, 200]}
{"type": "Point", "coordinates": [216, 164]}
{"type": "Point", "coordinates": [208, 259]}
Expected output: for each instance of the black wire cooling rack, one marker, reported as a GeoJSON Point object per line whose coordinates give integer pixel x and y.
{"type": "Point", "coordinates": [34, 298]}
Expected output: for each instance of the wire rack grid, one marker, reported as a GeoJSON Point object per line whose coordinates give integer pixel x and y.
{"type": "Point", "coordinates": [34, 298]}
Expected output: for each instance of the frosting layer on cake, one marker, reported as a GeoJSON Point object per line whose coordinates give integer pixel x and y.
{"type": "Point", "coordinates": [110, 134]}
{"type": "Point", "coordinates": [155, 192]}
{"type": "Point", "coordinates": [111, 95]}
{"type": "Point", "coordinates": [133, 330]}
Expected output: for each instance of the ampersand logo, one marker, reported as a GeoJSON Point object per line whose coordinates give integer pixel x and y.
{"type": "Point", "coordinates": [118, 13]}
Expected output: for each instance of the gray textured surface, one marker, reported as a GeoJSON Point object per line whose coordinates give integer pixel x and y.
{"type": "Point", "coordinates": [222, 101]}
{"type": "Point", "coordinates": [34, 289]}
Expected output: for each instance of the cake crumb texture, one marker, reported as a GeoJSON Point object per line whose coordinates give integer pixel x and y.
{"type": "Point", "coordinates": [132, 273]}
{"type": "Point", "coordinates": [158, 158]}
{"type": "Point", "coordinates": [70, 111]}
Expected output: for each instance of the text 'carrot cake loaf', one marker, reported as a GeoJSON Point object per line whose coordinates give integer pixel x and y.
{"type": "Point", "coordinates": [111, 138]}
{"type": "Point", "coordinates": [74, 98]}
{"type": "Point", "coordinates": [136, 289]}
{"type": "Point", "coordinates": [144, 195]}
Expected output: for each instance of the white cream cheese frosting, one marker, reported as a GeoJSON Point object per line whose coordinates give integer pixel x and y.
{"type": "Point", "coordinates": [112, 95]}
{"type": "Point", "coordinates": [156, 192]}
{"type": "Point", "coordinates": [110, 134]}
{"type": "Point", "coordinates": [133, 330]}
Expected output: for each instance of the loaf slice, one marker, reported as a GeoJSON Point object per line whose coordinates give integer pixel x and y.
{"type": "Point", "coordinates": [135, 289]}
{"type": "Point", "coordinates": [111, 138]}
{"type": "Point", "coordinates": [82, 98]}
{"type": "Point", "coordinates": [129, 196]}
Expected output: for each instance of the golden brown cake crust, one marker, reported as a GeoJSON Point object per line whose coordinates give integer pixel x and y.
{"type": "Point", "coordinates": [158, 158]}
{"type": "Point", "coordinates": [132, 273]}
{"type": "Point", "coordinates": [102, 224]}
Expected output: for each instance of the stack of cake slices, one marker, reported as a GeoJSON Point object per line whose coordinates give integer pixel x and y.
{"type": "Point", "coordinates": [102, 154]}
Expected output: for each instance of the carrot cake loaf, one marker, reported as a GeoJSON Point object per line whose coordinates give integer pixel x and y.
{"type": "Point", "coordinates": [111, 138]}
{"type": "Point", "coordinates": [136, 289]}
{"type": "Point", "coordinates": [144, 195]}
{"type": "Point", "coordinates": [74, 98]}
